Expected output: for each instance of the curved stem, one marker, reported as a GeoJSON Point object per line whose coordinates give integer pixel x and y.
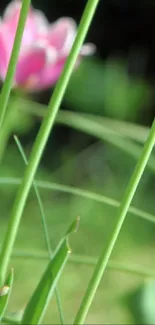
{"type": "Point", "coordinates": [123, 209]}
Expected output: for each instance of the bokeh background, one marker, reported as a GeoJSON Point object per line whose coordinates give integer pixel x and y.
{"type": "Point", "coordinates": [118, 83]}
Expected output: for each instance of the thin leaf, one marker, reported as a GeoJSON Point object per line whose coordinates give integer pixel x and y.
{"type": "Point", "coordinates": [73, 227]}
{"type": "Point", "coordinates": [138, 270]}
{"type": "Point", "coordinates": [134, 131]}
{"type": "Point", "coordinates": [85, 123]}
{"type": "Point", "coordinates": [45, 227]}
{"type": "Point", "coordinates": [117, 133]}
{"type": "Point", "coordinates": [81, 193]}
{"type": "Point", "coordinates": [5, 292]}
{"type": "Point", "coordinates": [116, 266]}
{"type": "Point", "coordinates": [38, 303]}
{"type": "Point", "coordinates": [127, 129]}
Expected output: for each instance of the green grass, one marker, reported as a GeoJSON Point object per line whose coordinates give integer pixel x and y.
{"type": "Point", "coordinates": [95, 226]}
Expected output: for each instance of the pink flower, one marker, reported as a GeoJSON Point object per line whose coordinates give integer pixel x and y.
{"type": "Point", "coordinates": [44, 48]}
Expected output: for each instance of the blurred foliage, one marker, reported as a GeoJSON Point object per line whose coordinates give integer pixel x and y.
{"type": "Point", "coordinates": [141, 303]}
{"type": "Point", "coordinates": [107, 89]}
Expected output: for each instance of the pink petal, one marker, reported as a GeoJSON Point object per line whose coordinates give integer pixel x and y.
{"type": "Point", "coordinates": [48, 76]}
{"type": "Point", "coordinates": [5, 51]}
{"type": "Point", "coordinates": [12, 11]}
{"type": "Point", "coordinates": [3, 57]}
{"type": "Point", "coordinates": [62, 34]}
{"type": "Point", "coordinates": [30, 64]}
{"type": "Point", "coordinates": [11, 17]}
{"type": "Point", "coordinates": [41, 23]}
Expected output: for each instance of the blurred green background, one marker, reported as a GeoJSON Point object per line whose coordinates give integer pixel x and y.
{"type": "Point", "coordinates": [103, 87]}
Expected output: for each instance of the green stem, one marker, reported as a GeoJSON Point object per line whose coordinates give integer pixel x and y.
{"type": "Point", "coordinates": [4, 141]}
{"type": "Point", "coordinates": [42, 138]}
{"type": "Point", "coordinates": [9, 126]}
{"type": "Point", "coordinates": [123, 209]}
{"type": "Point", "coordinates": [5, 93]}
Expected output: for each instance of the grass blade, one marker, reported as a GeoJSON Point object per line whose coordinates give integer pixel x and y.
{"type": "Point", "coordinates": [127, 129]}
{"type": "Point", "coordinates": [38, 303]}
{"type": "Point", "coordinates": [43, 218]}
{"type": "Point", "coordinates": [116, 133]}
{"type": "Point", "coordinates": [84, 123]}
{"type": "Point", "coordinates": [138, 270]}
{"type": "Point", "coordinates": [5, 292]}
{"type": "Point", "coordinates": [81, 193]}
{"type": "Point", "coordinates": [130, 130]}
{"type": "Point", "coordinates": [41, 208]}
{"type": "Point", "coordinates": [115, 266]}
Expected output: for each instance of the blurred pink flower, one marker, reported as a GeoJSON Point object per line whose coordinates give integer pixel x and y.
{"type": "Point", "coordinates": [44, 48]}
